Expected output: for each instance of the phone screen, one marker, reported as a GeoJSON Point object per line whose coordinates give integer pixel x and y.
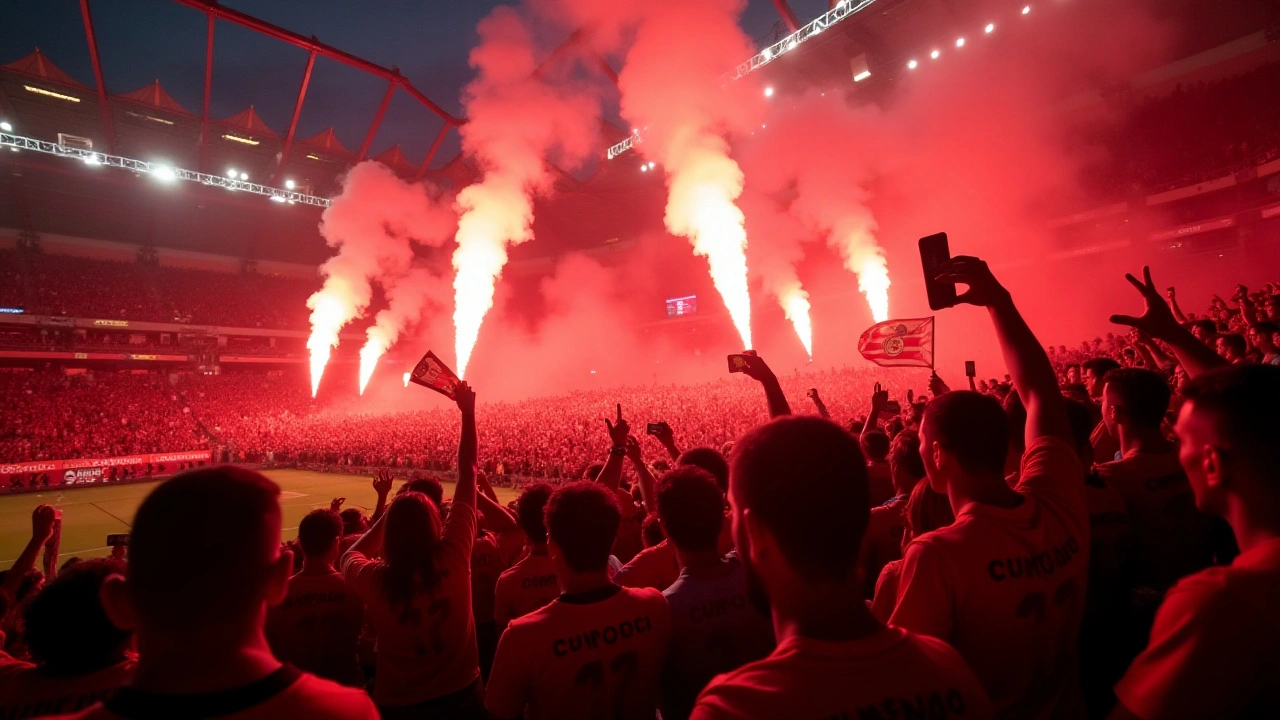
{"type": "Point", "coordinates": [737, 363]}
{"type": "Point", "coordinates": [933, 252]}
{"type": "Point", "coordinates": [654, 428]}
{"type": "Point", "coordinates": [970, 369]}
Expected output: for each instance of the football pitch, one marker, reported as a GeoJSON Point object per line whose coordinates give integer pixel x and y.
{"type": "Point", "coordinates": [90, 514]}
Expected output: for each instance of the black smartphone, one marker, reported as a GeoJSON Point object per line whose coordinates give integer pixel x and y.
{"type": "Point", "coordinates": [738, 363]}
{"type": "Point", "coordinates": [933, 252]}
{"type": "Point", "coordinates": [654, 428]}
{"type": "Point", "coordinates": [893, 407]}
{"type": "Point", "coordinates": [115, 539]}
{"type": "Point", "coordinates": [970, 369]}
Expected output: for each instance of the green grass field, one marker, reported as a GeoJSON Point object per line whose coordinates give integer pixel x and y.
{"type": "Point", "coordinates": [90, 514]}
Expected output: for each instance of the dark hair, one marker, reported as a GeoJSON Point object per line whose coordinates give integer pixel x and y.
{"type": "Point", "coordinates": [353, 521]}
{"type": "Point", "coordinates": [691, 508]}
{"type": "Point", "coordinates": [202, 547]}
{"type": "Point", "coordinates": [318, 532]}
{"type": "Point", "coordinates": [1266, 328]}
{"type": "Point", "coordinates": [412, 537]}
{"type": "Point", "coordinates": [651, 530]}
{"type": "Point", "coordinates": [710, 460]}
{"type": "Point", "coordinates": [582, 520]}
{"type": "Point", "coordinates": [531, 508]}
{"type": "Point", "coordinates": [926, 511]}
{"type": "Point", "coordinates": [592, 471]}
{"type": "Point", "coordinates": [1016, 413]}
{"type": "Point", "coordinates": [67, 631]}
{"type": "Point", "coordinates": [972, 427]}
{"type": "Point", "coordinates": [1142, 394]}
{"type": "Point", "coordinates": [427, 486]}
{"type": "Point", "coordinates": [1101, 366]}
{"type": "Point", "coordinates": [1234, 341]}
{"type": "Point", "coordinates": [904, 452]}
{"type": "Point", "coordinates": [875, 445]}
{"type": "Point", "coordinates": [1080, 418]}
{"type": "Point", "coordinates": [1242, 402]}
{"type": "Point", "coordinates": [806, 480]}
{"type": "Point", "coordinates": [1205, 324]}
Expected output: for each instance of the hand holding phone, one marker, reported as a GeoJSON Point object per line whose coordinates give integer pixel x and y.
{"type": "Point", "coordinates": [934, 251]}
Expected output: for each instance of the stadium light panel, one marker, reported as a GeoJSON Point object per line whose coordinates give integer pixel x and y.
{"type": "Point", "coordinates": [652, 164]}
{"type": "Point", "coordinates": [289, 184]}
{"type": "Point", "coordinates": [911, 65]}
{"type": "Point", "coordinates": [768, 92]}
{"type": "Point", "coordinates": [6, 127]}
{"type": "Point", "coordinates": [644, 167]}
{"type": "Point", "coordinates": [1026, 9]}
{"type": "Point", "coordinates": [243, 140]}
{"type": "Point", "coordinates": [231, 173]}
{"type": "Point", "coordinates": [989, 28]}
{"type": "Point", "coordinates": [862, 76]}
{"type": "Point", "coordinates": [91, 160]}
{"type": "Point", "coordinates": [163, 172]}
{"type": "Point", "coordinates": [277, 198]}
{"type": "Point", "coordinates": [50, 93]}
{"type": "Point", "coordinates": [935, 54]}
{"type": "Point", "coordinates": [244, 176]}
{"type": "Point", "coordinates": [959, 42]}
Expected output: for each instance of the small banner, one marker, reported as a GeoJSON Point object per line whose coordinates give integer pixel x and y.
{"type": "Point", "coordinates": [899, 343]}
{"type": "Point", "coordinates": [434, 374]}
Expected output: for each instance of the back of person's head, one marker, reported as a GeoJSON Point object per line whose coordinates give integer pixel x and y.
{"type": "Point", "coordinates": [1205, 328]}
{"type": "Point", "coordinates": [710, 460]}
{"type": "Point", "coordinates": [691, 508]}
{"type": "Point", "coordinates": [905, 465]}
{"type": "Point", "coordinates": [411, 538]}
{"type": "Point", "coordinates": [651, 531]}
{"type": "Point", "coordinates": [67, 629]}
{"type": "Point", "coordinates": [582, 523]}
{"type": "Point", "coordinates": [1229, 427]}
{"type": "Point", "coordinates": [592, 471]}
{"type": "Point", "coordinates": [205, 551]}
{"type": "Point", "coordinates": [319, 533]}
{"type": "Point", "coordinates": [970, 429]}
{"type": "Point", "coordinates": [1135, 397]}
{"type": "Point", "coordinates": [353, 521]}
{"type": "Point", "coordinates": [875, 445]}
{"type": "Point", "coordinates": [1101, 366]}
{"type": "Point", "coordinates": [531, 511]}
{"type": "Point", "coordinates": [804, 480]}
{"type": "Point", "coordinates": [427, 486]}
{"type": "Point", "coordinates": [927, 510]}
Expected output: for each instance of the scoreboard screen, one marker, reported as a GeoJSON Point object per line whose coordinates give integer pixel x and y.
{"type": "Point", "coordinates": [678, 307]}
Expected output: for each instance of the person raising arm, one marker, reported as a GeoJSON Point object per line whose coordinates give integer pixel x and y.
{"type": "Point", "coordinates": [1158, 322]}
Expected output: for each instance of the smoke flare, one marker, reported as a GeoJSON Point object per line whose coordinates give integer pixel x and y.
{"type": "Point", "coordinates": [796, 307]}
{"type": "Point", "coordinates": [408, 297]}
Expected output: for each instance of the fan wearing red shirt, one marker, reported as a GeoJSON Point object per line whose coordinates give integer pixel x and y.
{"type": "Point", "coordinates": [204, 564]}
{"type": "Point", "coordinates": [532, 582]}
{"type": "Point", "coordinates": [598, 649]}
{"type": "Point", "coordinates": [1005, 583]}
{"type": "Point", "coordinates": [1213, 647]}
{"type": "Point", "coordinates": [798, 491]}
{"type": "Point", "coordinates": [883, 541]}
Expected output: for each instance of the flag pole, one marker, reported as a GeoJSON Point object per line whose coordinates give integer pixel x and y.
{"type": "Point", "coordinates": [933, 341]}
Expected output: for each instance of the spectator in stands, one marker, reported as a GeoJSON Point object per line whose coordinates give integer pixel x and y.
{"type": "Point", "coordinates": [1262, 336]}
{"type": "Point", "coordinates": [1232, 347]}
{"type": "Point", "coordinates": [78, 656]}
{"type": "Point", "coordinates": [418, 595]}
{"type": "Point", "coordinates": [196, 597]}
{"type": "Point", "coordinates": [317, 626]}
{"type": "Point", "coordinates": [925, 512]}
{"type": "Point", "coordinates": [1212, 649]}
{"type": "Point", "coordinates": [714, 627]}
{"type": "Point", "coordinates": [1013, 554]}
{"type": "Point", "coordinates": [884, 537]}
{"type": "Point", "coordinates": [598, 649]}
{"type": "Point", "coordinates": [798, 487]}
{"type": "Point", "coordinates": [531, 583]}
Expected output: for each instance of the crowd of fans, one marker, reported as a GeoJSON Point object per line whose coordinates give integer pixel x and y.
{"type": "Point", "coordinates": [981, 554]}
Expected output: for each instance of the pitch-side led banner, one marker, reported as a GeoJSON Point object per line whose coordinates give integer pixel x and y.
{"type": "Point", "coordinates": [899, 343]}
{"type": "Point", "coordinates": [41, 474]}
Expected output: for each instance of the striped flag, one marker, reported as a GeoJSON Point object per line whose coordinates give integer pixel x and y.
{"type": "Point", "coordinates": [899, 343]}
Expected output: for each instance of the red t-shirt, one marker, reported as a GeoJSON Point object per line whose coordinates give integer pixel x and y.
{"type": "Point", "coordinates": [26, 692]}
{"type": "Point", "coordinates": [655, 567]}
{"type": "Point", "coordinates": [428, 650]}
{"type": "Point", "coordinates": [317, 627]}
{"type": "Point", "coordinates": [486, 566]}
{"type": "Point", "coordinates": [596, 654]}
{"type": "Point", "coordinates": [882, 542]}
{"type": "Point", "coordinates": [1006, 587]}
{"type": "Point", "coordinates": [879, 483]}
{"type": "Point", "coordinates": [1213, 647]}
{"type": "Point", "coordinates": [892, 674]}
{"type": "Point", "coordinates": [527, 586]}
{"type": "Point", "coordinates": [286, 693]}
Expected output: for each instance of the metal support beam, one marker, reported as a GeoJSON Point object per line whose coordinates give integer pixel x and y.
{"type": "Point", "coordinates": [297, 111]}
{"type": "Point", "coordinates": [213, 9]}
{"type": "Point", "coordinates": [97, 74]}
{"type": "Point", "coordinates": [377, 120]}
{"type": "Point", "coordinates": [208, 86]}
{"type": "Point", "coordinates": [788, 17]}
{"type": "Point", "coordinates": [426, 161]}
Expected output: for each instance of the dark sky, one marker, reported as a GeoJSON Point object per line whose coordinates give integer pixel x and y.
{"type": "Point", "coordinates": [143, 40]}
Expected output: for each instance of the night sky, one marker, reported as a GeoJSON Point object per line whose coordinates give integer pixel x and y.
{"type": "Point", "coordinates": [143, 40]}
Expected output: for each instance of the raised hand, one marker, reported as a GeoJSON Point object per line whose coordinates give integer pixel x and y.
{"type": "Point", "coordinates": [335, 505]}
{"type": "Point", "coordinates": [42, 519]}
{"type": "Point", "coordinates": [633, 450]}
{"type": "Point", "coordinates": [984, 290]}
{"type": "Point", "coordinates": [618, 431]}
{"type": "Point", "coordinates": [1157, 319]}
{"type": "Point", "coordinates": [663, 433]}
{"type": "Point", "coordinates": [756, 368]}
{"type": "Point", "coordinates": [879, 399]}
{"type": "Point", "coordinates": [465, 397]}
{"type": "Point", "coordinates": [382, 482]}
{"type": "Point", "coordinates": [937, 386]}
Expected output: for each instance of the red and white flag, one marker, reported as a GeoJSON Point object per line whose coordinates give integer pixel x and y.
{"type": "Point", "coordinates": [899, 343]}
{"type": "Point", "coordinates": [432, 373]}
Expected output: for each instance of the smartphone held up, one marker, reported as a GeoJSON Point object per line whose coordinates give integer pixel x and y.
{"type": "Point", "coordinates": [934, 251]}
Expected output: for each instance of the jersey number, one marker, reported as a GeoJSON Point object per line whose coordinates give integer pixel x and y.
{"type": "Point", "coordinates": [592, 675]}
